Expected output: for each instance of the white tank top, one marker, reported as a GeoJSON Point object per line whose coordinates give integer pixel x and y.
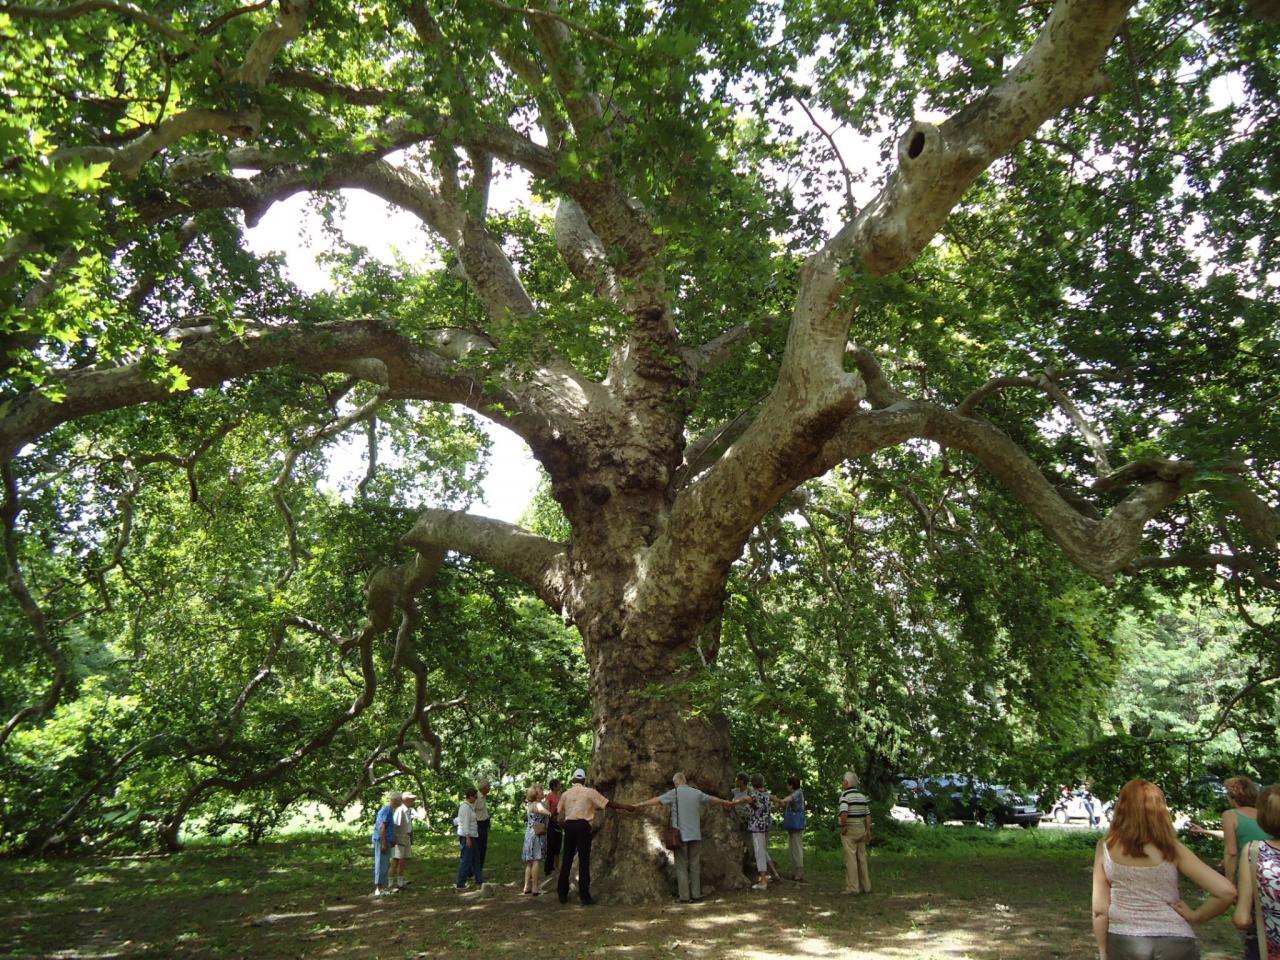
{"type": "Point", "coordinates": [1142, 900]}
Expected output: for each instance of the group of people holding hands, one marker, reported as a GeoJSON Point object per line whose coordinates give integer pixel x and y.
{"type": "Point", "coordinates": [1138, 913]}
{"type": "Point", "coordinates": [558, 827]}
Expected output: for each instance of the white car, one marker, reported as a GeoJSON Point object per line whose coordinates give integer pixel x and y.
{"type": "Point", "coordinates": [1081, 805]}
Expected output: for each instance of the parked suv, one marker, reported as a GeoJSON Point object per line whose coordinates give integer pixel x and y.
{"type": "Point", "coordinates": [958, 797]}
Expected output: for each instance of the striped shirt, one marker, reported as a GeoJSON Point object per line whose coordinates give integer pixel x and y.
{"type": "Point", "coordinates": [854, 802]}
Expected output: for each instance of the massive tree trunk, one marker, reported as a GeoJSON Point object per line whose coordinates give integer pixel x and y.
{"type": "Point", "coordinates": [643, 732]}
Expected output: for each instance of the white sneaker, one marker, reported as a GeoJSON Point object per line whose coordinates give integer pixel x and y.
{"type": "Point", "coordinates": [759, 886]}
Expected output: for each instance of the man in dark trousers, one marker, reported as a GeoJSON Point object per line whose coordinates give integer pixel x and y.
{"type": "Point", "coordinates": [555, 836]}
{"type": "Point", "coordinates": [578, 806]}
{"type": "Point", "coordinates": [482, 821]}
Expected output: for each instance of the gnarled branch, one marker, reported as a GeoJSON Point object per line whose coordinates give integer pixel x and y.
{"type": "Point", "coordinates": [541, 564]}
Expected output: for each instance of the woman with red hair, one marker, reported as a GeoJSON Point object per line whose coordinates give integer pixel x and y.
{"type": "Point", "coordinates": [1137, 913]}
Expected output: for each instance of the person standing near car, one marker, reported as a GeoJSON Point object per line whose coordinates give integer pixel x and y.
{"type": "Point", "coordinates": [855, 835]}
{"type": "Point", "coordinates": [1086, 797]}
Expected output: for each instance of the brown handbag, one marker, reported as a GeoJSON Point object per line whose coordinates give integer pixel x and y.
{"type": "Point", "coordinates": [671, 839]}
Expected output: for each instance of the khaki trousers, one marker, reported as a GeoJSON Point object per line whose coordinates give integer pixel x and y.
{"type": "Point", "coordinates": [689, 869]}
{"type": "Point", "coordinates": [795, 841]}
{"type": "Point", "coordinates": [856, 877]}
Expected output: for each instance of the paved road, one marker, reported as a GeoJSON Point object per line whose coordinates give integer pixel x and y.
{"type": "Point", "coordinates": [1070, 825]}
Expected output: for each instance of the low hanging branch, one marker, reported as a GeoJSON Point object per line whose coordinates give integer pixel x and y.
{"type": "Point", "coordinates": [389, 589]}
{"type": "Point", "coordinates": [31, 609]}
{"type": "Point", "coordinates": [56, 832]}
{"type": "Point", "coordinates": [170, 826]}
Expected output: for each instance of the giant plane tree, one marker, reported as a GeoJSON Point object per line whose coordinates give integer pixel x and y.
{"type": "Point", "coordinates": [1053, 280]}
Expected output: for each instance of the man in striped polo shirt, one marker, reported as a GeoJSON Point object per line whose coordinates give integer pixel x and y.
{"type": "Point", "coordinates": [855, 834]}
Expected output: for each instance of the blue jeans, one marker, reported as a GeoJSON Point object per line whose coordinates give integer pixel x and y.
{"type": "Point", "coordinates": [381, 864]}
{"type": "Point", "coordinates": [467, 866]}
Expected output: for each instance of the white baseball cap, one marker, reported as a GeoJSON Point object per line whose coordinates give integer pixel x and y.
{"type": "Point", "coordinates": [579, 774]}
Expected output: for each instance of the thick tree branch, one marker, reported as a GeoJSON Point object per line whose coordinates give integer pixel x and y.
{"type": "Point", "coordinates": [584, 253]}
{"type": "Point", "coordinates": [539, 563]}
{"type": "Point", "coordinates": [132, 11]}
{"type": "Point", "coordinates": [286, 27]}
{"type": "Point", "coordinates": [368, 348]}
{"type": "Point", "coordinates": [814, 394]}
{"type": "Point", "coordinates": [294, 78]}
{"type": "Point", "coordinates": [1240, 563]}
{"type": "Point", "coordinates": [1100, 546]}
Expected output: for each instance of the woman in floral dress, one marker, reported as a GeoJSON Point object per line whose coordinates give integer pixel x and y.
{"type": "Point", "coordinates": [1260, 876]}
{"type": "Point", "coordinates": [536, 817]}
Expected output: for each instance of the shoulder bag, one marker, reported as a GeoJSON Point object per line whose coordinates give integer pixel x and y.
{"type": "Point", "coordinates": [1253, 854]}
{"type": "Point", "coordinates": [672, 839]}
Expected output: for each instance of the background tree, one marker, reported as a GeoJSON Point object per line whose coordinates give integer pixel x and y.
{"type": "Point", "coordinates": [1068, 282]}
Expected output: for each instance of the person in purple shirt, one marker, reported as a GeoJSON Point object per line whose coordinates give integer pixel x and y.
{"type": "Point", "coordinates": [383, 835]}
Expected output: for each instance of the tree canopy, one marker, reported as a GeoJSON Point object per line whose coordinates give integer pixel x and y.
{"type": "Point", "coordinates": [901, 344]}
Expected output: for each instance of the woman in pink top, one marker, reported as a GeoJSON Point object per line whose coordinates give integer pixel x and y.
{"type": "Point", "coordinates": [1137, 912]}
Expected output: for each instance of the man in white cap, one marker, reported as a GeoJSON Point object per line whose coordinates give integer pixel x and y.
{"type": "Point", "coordinates": [577, 809]}
{"type": "Point", "coordinates": [383, 834]}
{"type": "Point", "coordinates": [402, 849]}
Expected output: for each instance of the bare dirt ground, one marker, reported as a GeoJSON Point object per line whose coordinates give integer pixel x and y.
{"type": "Point", "coordinates": [307, 897]}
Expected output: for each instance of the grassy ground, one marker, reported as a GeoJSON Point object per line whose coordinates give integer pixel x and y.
{"type": "Point", "coordinates": [954, 893]}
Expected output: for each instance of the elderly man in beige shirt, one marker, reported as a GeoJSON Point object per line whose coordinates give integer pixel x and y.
{"type": "Point", "coordinates": [577, 809]}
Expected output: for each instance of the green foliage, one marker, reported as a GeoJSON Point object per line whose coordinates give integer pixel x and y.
{"type": "Point", "coordinates": [902, 615]}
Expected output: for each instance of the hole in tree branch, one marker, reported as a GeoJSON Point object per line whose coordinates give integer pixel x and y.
{"type": "Point", "coordinates": [916, 146]}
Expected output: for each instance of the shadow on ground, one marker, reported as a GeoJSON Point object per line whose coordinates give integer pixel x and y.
{"type": "Point", "coordinates": [306, 898]}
